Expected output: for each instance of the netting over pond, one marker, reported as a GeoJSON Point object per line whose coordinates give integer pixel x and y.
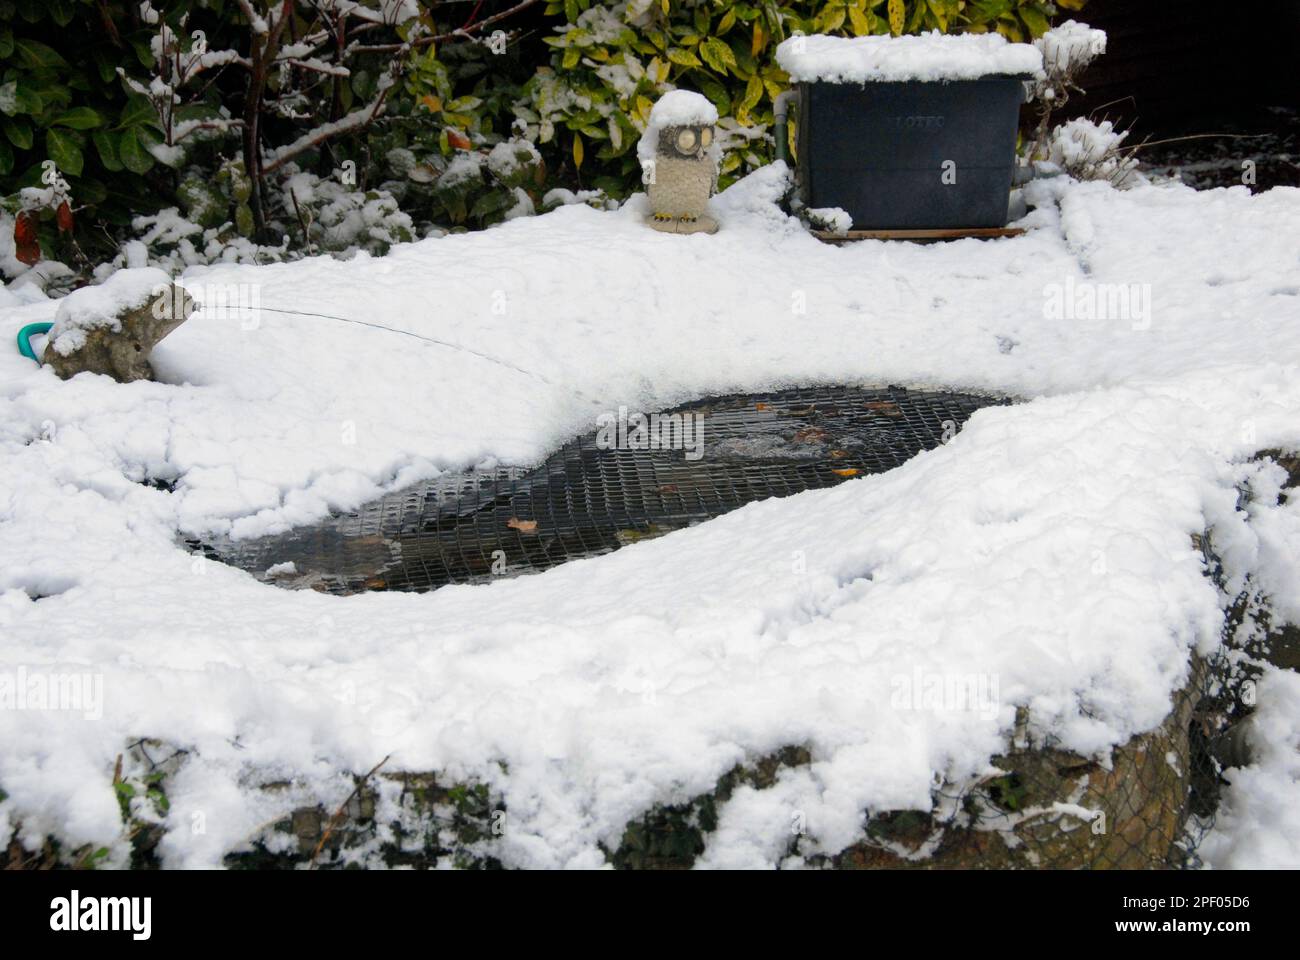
{"type": "Point", "coordinates": [596, 494]}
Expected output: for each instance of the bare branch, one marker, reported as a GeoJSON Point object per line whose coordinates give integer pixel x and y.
{"type": "Point", "coordinates": [466, 33]}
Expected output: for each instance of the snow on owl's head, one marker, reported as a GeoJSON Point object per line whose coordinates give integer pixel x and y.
{"type": "Point", "coordinates": [681, 125]}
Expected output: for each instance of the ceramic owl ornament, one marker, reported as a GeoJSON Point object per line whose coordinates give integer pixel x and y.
{"type": "Point", "coordinates": [679, 162]}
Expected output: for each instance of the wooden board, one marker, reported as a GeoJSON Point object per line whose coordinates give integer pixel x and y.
{"type": "Point", "coordinates": [940, 234]}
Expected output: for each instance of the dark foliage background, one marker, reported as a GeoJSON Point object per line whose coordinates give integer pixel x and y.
{"type": "Point", "coordinates": [252, 117]}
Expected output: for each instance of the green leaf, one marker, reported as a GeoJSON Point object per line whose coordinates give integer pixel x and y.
{"type": "Point", "coordinates": [37, 56]}
{"type": "Point", "coordinates": [18, 98]}
{"type": "Point", "coordinates": [917, 17]}
{"type": "Point", "coordinates": [6, 42]}
{"type": "Point", "coordinates": [6, 158]}
{"type": "Point", "coordinates": [61, 11]}
{"type": "Point", "coordinates": [832, 19]}
{"type": "Point", "coordinates": [717, 55]}
{"type": "Point", "coordinates": [106, 67]}
{"type": "Point", "coordinates": [137, 112]}
{"type": "Point", "coordinates": [19, 132]}
{"type": "Point", "coordinates": [986, 11]}
{"type": "Point", "coordinates": [65, 153]}
{"type": "Point", "coordinates": [107, 148]}
{"type": "Point", "coordinates": [133, 156]}
{"type": "Point", "coordinates": [79, 118]}
{"type": "Point", "coordinates": [717, 93]}
{"type": "Point", "coordinates": [940, 11]}
{"type": "Point", "coordinates": [494, 201]}
{"type": "Point", "coordinates": [143, 52]}
{"type": "Point", "coordinates": [1034, 20]}
{"type": "Point", "coordinates": [91, 191]}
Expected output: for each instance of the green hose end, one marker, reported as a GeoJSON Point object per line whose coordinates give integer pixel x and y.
{"type": "Point", "coordinates": [25, 337]}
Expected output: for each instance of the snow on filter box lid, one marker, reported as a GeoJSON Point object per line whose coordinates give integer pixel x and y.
{"type": "Point", "coordinates": [929, 56]}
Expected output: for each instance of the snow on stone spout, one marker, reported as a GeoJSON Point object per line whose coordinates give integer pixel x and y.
{"type": "Point", "coordinates": [112, 328]}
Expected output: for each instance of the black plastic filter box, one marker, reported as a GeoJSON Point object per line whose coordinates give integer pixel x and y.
{"type": "Point", "coordinates": [880, 151]}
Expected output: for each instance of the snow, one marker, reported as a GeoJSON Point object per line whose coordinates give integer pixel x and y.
{"type": "Point", "coordinates": [1046, 547]}
{"type": "Point", "coordinates": [1090, 150]}
{"type": "Point", "coordinates": [559, 196]}
{"type": "Point", "coordinates": [836, 220]}
{"type": "Point", "coordinates": [1070, 46]}
{"type": "Point", "coordinates": [522, 205]}
{"type": "Point", "coordinates": [1258, 822]}
{"type": "Point", "coordinates": [101, 305]}
{"type": "Point", "coordinates": [504, 159]}
{"type": "Point", "coordinates": [676, 108]}
{"type": "Point", "coordinates": [928, 57]}
{"type": "Point", "coordinates": [465, 167]}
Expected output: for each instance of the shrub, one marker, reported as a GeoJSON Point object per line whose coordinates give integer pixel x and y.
{"type": "Point", "coordinates": [212, 107]}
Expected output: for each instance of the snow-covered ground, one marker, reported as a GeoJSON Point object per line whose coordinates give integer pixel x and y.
{"type": "Point", "coordinates": [1046, 547]}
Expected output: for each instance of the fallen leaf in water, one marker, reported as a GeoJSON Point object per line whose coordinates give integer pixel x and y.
{"type": "Point", "coordinates": [886, 407]}
{"type": "Point", "coordinates": [839, 454]}
{"type": "Point", "coordinates": [523, 526]}
{"type": "Point", "coordinates": [810, 435]}
{"type": "Point", "coordinates": [667, 488]}
{"type": "Point", "coordinates": [762, 406]}
{"type": "Point", "coordinates": [846, 472]}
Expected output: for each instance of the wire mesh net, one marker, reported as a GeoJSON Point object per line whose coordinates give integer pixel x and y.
{"type": "Point", "coordinates": [600, 492]}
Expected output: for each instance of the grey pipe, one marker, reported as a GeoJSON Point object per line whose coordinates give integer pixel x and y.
{"type": "Point", "coordinates": [780, 114]}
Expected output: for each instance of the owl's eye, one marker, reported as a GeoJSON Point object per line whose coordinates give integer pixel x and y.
{"type": "Point", "coordinates": [706, 136]}
{"type": "Point", "coordinates": [686, 141]}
